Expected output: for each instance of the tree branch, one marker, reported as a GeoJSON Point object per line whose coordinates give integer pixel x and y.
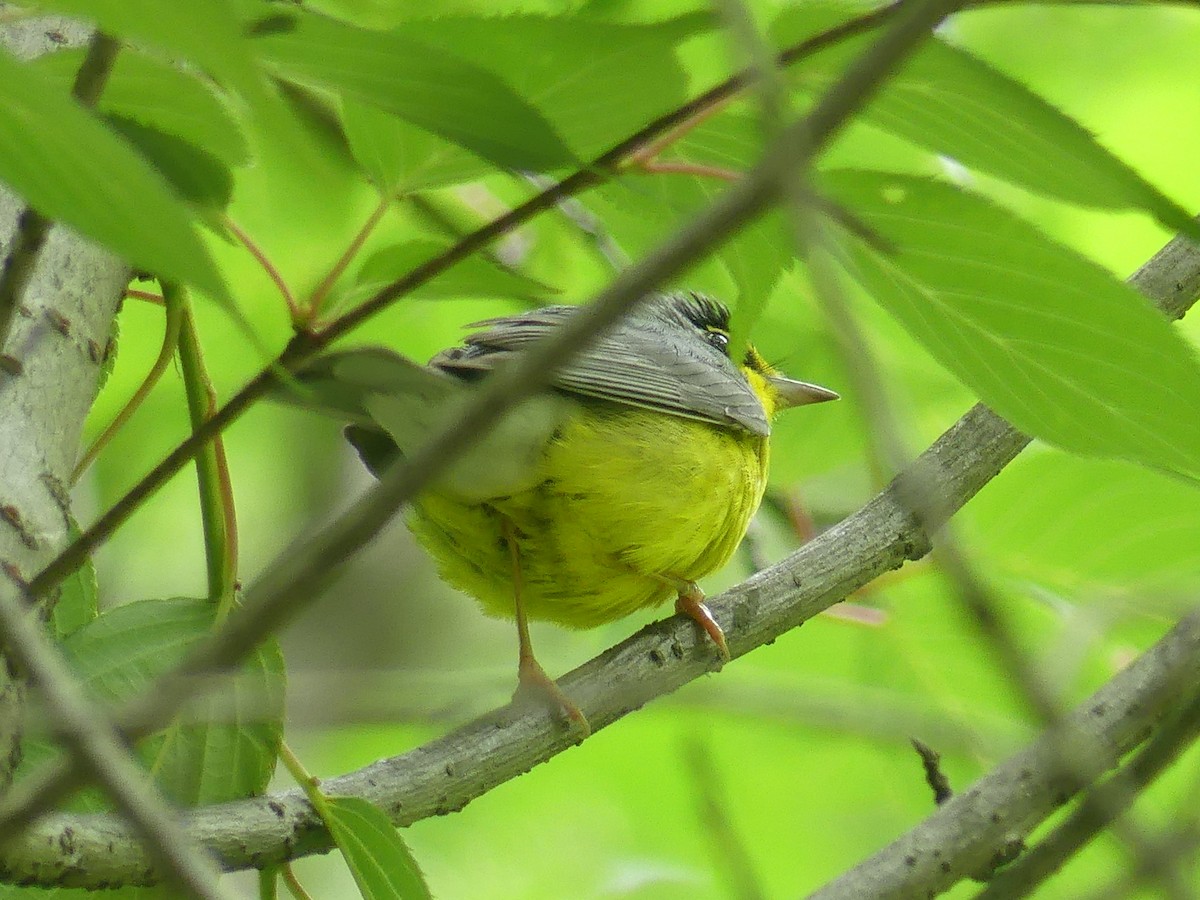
{"type": "Point", "coordinates": [62, 309]}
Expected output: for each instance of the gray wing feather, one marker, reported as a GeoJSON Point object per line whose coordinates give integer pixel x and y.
{"type": "Point", "coordinates": [650, 359]}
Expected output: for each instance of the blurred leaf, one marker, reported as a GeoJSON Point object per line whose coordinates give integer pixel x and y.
{"type": "Point", "coordinates": [120, 653]}
{"type": "Point", "coordinates": [596, 82]}
{"type": "Point", "coordinates": [400, 157]}
{"type": "Point", "coordinates": [196, 175]}
{"type": "Point", "coordinates": [159, 95]}
{"type": "Point", "coordinates": [231, 752]}
{"type": "Point", "coordinates": [71, 168]}
{"type": "Point", "coordinates": [78, 602]}
{"type": "Point", "coordinates": [382, 866]}
{"type": "Point", "coordinates": [1091, 527]}
{"type": "Point", "coordinates": [205, 32]}
{"type": "Point", "coordinates": [641, 209]}
{"type": "Point", "coordinates": [956, 105]}
{"type": "Point", "coordinates": [475, 276]}
{"type": "Point", "coordinates": [430, 87]}
{"type": "Point", "coordinates": [1047, 338]}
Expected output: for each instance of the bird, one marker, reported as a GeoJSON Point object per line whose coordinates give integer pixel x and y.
{"type": "Point", "coordinates": [634, 476]}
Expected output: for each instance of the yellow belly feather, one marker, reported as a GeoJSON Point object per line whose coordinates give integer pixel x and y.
{"type": "Point", "coordinates": [629, 501]}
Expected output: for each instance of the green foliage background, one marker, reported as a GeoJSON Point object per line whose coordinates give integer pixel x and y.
{"type": "Point", "coordinates": [804, 743]}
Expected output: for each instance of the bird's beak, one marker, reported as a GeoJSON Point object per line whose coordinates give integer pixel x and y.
{"type": "Point", "coordinates": [791, 393]}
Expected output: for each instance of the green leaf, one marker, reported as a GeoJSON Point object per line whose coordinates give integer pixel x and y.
{"type": "Point", "coordinates": [226, 746]}
{"type": "Point", "coordinates": [399, 157]}
{"type": "Point", "coordinates": [1047, 338]}
{"type": "Point", "coordinates": [78, 602]}
{"type": "Point", "coordinates": [641, 209]}
{"type": "Point", "coordinates": [72, 169]}
{"type": "Point", "coordinates": [205, 32]}
{"type": "Point", "coordinates": [434, 89]}
{"type": "Point", "coordinates": [162, 96]}
{"type": "Point", "coordinates": [196, 175]}
{"type": "Point", "coordinates": [475, 276]}
{"type": "Point", "coordinates": [595, 81]}
{"type": "Point", "coordinates": [1091, 528]}
{"type": "Point", "coordinates": [382, 866]}
{"type": "Point", "coordinates": [956, 105]}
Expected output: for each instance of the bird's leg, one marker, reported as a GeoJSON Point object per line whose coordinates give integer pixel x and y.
{"type": "Point", "coordinates": [690, 602]}
{"type": "Point", "coordinates": [532, 679]}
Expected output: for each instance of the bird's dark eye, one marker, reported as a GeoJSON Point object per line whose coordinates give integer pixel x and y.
{"type": "Point", "coordinates": [718, 339]}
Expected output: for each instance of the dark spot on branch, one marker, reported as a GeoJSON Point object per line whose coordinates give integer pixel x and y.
{"type": "Point", "coordinates": [11, 364]}
{"type": "Point", "coordinates": [59, 322]}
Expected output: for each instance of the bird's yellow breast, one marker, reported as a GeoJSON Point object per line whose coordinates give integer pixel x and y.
{"type": "Point", "coordinates": [629, 504]}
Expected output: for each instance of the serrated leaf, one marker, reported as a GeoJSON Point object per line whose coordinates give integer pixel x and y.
{"type": "Point", "coordinates": [432, 88]}
{"type": "Point", "coordinates": [1047, 338]}
{"type": "Point", "coordinates": [949, 101]}
{"type": "Point", "coordinates": [72, 169]}
{"type": "Point", "coordinates": [197, 176]}
{"type": "Point", "coordinates": [162, 96]}
{"type": "Point", "coordinates": [120, 653]}
{"type": "Point", "coordinates": [595, 81]}
{"type": "Point", "coordinates": [381, 863]}
{"type": "Point", "coordinates": [78, 602]}
{"type": "Point", "coordinates": [475, 276]}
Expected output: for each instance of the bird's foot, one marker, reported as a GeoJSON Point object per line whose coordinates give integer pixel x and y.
{"type": "Point", "coordinates": [690, 602]}
{"type": "Point", "coordinates": [534, 684]}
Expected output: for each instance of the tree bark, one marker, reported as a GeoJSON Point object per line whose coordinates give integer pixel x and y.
{"type": "Point", "coordinates": [49, 371]}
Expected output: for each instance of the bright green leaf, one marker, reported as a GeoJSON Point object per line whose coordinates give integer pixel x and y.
{"type": "Point", "coordinates": [1046, 337]}
{"type": "Point", "coordinates": [1091, 528]}
{"type": "Point", "coordinates": [382, 866]}
{"type": "Point", "coordinates": [400, 157]}
{"type": "Point", "coordinates": [595, 81]}
{"type": "Point", "coordinates": [162, 96]}
{"type": "Point", "coordinates": [956, 105]}
{"type": "Point", "coordinates": [71, 168]}
{"type": "Point", "coordinates": [205, 32]}
{"type": "Point", "coordinates": [434, 89]}
{"type": "Point", "coordinates": [196, 175]}
{"type": "Point", "coordinates": [475, 276]}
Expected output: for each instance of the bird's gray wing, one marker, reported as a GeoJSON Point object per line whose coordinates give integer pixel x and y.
{"type": "Point", "coordinates": [651, 359]}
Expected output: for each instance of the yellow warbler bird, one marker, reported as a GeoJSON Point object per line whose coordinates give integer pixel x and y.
{"type": "Point", "coordinates": [633, 478]}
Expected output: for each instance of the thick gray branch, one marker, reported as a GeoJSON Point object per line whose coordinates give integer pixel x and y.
{"type": "Point", "coordinates": [48, 374]}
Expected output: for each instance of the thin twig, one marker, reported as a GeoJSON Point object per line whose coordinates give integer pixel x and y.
{"type": "Point", "coordinates": [683, 167]}
{"type": "Point", "coordinates": [316, 301]}
{"type": "Point", "coordinates": [212, 472]}
{"type": "Point", "coordinates": [266, 265]}
{"type": "Point", "coordinates": [172, 318]}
